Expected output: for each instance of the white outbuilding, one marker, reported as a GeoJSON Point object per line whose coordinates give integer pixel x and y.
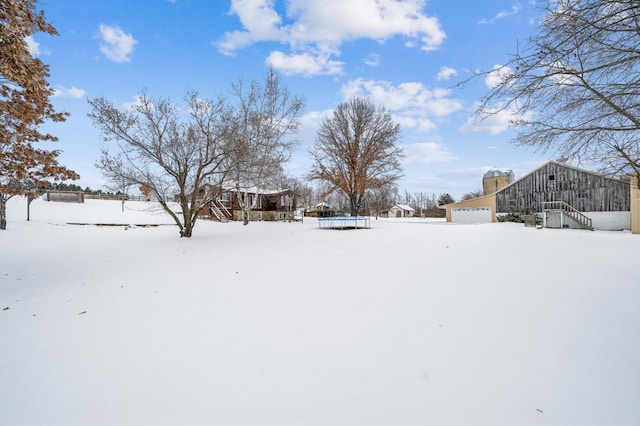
{"type": "Point", "coordinates": [401, 210]}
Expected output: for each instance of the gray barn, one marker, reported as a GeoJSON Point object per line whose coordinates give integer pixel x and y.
{"type": "Point", "coordinates": [583, 190]}
{"type": "Point", "coordinates": [560, 191]}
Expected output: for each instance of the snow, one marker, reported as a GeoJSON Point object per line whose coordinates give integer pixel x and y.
{"type": "Point", "coordinates": [405, 207]}
{"type": "Point", "coordinates": [409, 322]}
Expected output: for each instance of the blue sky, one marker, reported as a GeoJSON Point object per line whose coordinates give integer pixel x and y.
{"type": "Point", "coordinates": [407, 55]}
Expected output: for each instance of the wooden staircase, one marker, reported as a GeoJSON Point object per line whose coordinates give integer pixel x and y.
{"type": "Point", "coordinates": [220, 212]}
{"type": "Point", "coordinates": [567, 210]}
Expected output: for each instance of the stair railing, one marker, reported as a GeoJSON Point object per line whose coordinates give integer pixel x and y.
{"type": "Point", "coordinates": [569, 211]}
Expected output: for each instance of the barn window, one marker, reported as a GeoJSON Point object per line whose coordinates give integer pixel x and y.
{"type": "Point", "coordinates": [552, 177]}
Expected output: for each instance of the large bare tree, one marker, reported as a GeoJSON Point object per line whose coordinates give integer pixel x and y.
{"type": "Point", "coordinates": [171, 151]}
{"type": "Point", "coordinates": [24, 106]}
{"type": "Point", "coordinates": [265, 116]}
{"type": "Point", "coordinates": [356, 149]}
{"type": "Point", "coordinates": [575, 86]}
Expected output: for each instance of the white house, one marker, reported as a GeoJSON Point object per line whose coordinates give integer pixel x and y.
{"type": "Point", "coordinates": [401, 210]}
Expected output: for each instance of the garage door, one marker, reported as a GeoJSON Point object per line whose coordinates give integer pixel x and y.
{"type": "Point", "coordinates": [471, 215]}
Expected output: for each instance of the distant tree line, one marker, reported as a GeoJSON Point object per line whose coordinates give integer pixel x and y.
{"type": "Point", "coordinates": [62, 186]}
{"type": "Point", "coordinates": [380, 200]}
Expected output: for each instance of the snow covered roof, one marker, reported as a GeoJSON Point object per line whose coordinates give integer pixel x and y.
{"type": "Point", "coordinates": [404, 207]}
{"type": "Point", "coordinates": [231, 186]}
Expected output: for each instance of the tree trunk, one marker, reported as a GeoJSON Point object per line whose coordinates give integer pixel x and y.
{"type": "Point", "coordinates": [3, 213]}
{"type": "Point", "coordinates": [353, 201]}
{"type": "Point", "coordinates": [356, 202]}
{"type": "Point", "coordinates": [188, 219]}
{"type": "Point", "coordinates": [245, 216]}
{"type": "Point", "coordinates": [245, 206]}
{"type": "Point", "coordinates": [186, 231]}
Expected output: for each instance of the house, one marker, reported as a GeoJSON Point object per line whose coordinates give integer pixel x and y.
{"type": "Point", "coordinates": [324, 210]}
{"type": "Point", "coordinates": [564, 195]}
{"type": "Point", "coordinates": [269, 205]}
{"type": "Point", "coordinates": [401, 210]}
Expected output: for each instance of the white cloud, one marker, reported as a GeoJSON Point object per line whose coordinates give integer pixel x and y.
{"type": "Point", "coordinates": [315, 27]}
{"type": "Point", "coordinates": [502, 14]}
{"type": "Point", "coordinates": [260, 22]}
{"type": "Point", "coordinates": [338, 21]}
{"type": "Point", "coordinates": [309, 124]}
{"type": "Point", "coordinates": [304, 63]}
{"type": "Point", "coordinates": [116, 45]}
{"type": "Point", "coordinates": [505, 13]}
{"type": "Point", "coordinates": [446, 73]}
{"type": "Point", "coordinates": [427, 153]}
{"type": "Point", "coordinates": [497, 76]}
{"type": "Point", "coordinates": [412, 104]}
{"type": "Point", "coordinates": [32, 45]}
{"type": "Point", "coordinates": [131, 106]}
{"type": "Point", "coordinates": [372, 59]}
{"type": "Point", "coordinates": [494, 121]}
{"type": "Point", "coordinates": [420, 124]}
{"type": "Point", "coordinates": [69, 92]}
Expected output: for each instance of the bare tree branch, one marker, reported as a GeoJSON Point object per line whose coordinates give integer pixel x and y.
{"type": "Point", "coordinates": [575, 86]}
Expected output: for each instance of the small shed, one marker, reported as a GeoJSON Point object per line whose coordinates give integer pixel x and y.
{"type": "Point", "coordinates": [65, 196]}
{"type": "Point", "coordinates": [401, 210]}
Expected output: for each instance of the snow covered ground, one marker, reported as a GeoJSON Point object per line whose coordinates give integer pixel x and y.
{"type": "Point", "coordinates": [409, 322]}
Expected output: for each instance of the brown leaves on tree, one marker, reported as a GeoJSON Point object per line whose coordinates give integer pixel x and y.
{"type": "Point", "coordinates": [356, 150]}
{"type": "Point", "coordinates": [24, 105]}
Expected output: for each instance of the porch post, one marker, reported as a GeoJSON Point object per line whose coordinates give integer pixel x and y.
{"type": "Point", "coordinates": [634, 197]}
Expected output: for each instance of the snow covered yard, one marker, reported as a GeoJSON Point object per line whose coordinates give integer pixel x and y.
{"type": "Point", "coordinates": [409, 322]}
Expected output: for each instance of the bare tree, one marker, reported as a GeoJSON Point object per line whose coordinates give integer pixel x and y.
{"type": "Point", "coordinates": [170, 152]}
{"type": "Point", "coordinates": [380, 199]}
{"type": "Point", "coordinates": [432, 201]}
{"type": "Point", "coordinates": [301, 193]}
{"type": "Point", "coordinates": [575, 86]}
{"type": "Point", "coordinates": [420, 202]}
{"type": "Point", "coordinates": [408, 199]}
{"type": "Point", "coordinates": [356, 150]}
{"type": "Point", "coordinates": [120, 186]}
{"type": "Point", "coordinates": [325, 193]}
{"type": "Point", "coordinates": [471, 195]}
{"type": "Point", "coordinates": [24, 106]}
{"type": "Point", "coordinates": [304, 193]}
{"type": "Point", "coordinates": [265, 118]}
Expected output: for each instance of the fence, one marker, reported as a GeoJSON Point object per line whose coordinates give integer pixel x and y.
{"type": "Point", "coordinates": [65, 196]}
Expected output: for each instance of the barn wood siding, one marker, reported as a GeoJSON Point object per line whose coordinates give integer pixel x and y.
{"type": "Point", "coordinates": [585, 191]}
